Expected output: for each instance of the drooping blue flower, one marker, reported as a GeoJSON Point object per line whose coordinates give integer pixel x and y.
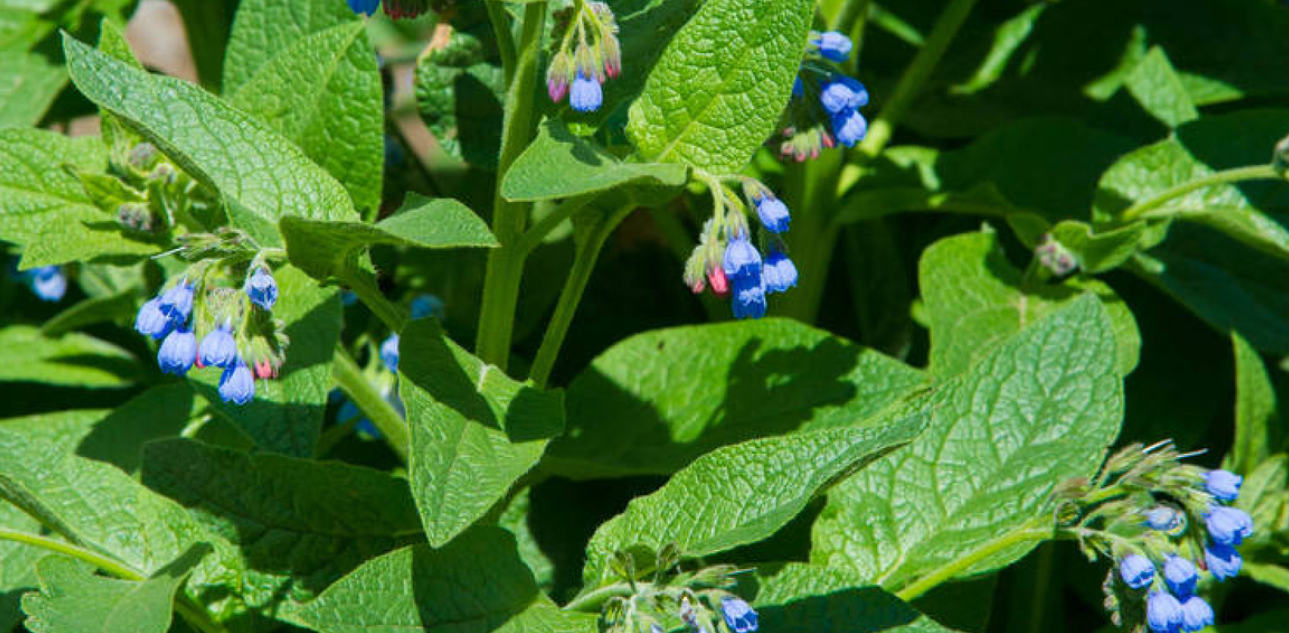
{"type": "Point", "coordinates": [219, 348]}
{"type": "Point", "coordinates": [586, 94]}
{"type": "Point", "coordinates": [176, 302]}
{"type": "Point", "coordinates": [236, 384]}
{"type": "Point", "coordinates": [152, 321]}
{"type": "Point", "coordinates": [779, 272]}
{"type": "Point", "coordinates": [427, 305]}
{"type": "Point", "coordinates": [773, 213]}
{"type": "Point", "coordinates": [741, 259]}
{"type": "Point", "coordinates": [48, 282]}
{"type": "Point", "coordinates": [1223, 484]}
{"type": "Point", "coordinates": [749, 297]}
{"type": "Point", "coordinates": [849, 127]}
{"type": "Point", "coordinates": [738, 614]}
{"type": "Point", "coordinates": [1228, 526]}
{"type": "Point", "coordinates": [178, 352]}
{"type": "Point", "coordinates": [389, 352]}
{"type": "Point", "coordinates": [798, 88]}
{"type": "Point", "coordinates": [1163, 518]}
{"type": "Point", "coordinates": [1181, 576]}
{"type": "Point", "coordinates": [261, 288]}
{"type": "Point", "coordinates": [365, 7]}
{"type": "Point", "coordinates": [842, 93]}
{"type": "Point", "coordinates": [832, 45]}
{"type": "Point", "coordinates": [348, 298]}
{"type": "Point", "coordinates": [1163, 612]}
{"type": "Point", "coordinates": [1136, 571]}
{"type": "Point", "coordinates": [1222, 561]}
{"type": "Point", "coordinates": [1196, 614]}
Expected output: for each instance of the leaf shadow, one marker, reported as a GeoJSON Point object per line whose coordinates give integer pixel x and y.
{"type": "Point", "coordinates": [854, 610]}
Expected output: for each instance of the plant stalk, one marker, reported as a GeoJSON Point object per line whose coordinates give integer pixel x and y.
{"type": "Point", "coordinates": [349, 377]}
{"type": "Point", "coordinates": [505, 40]}
{"type": "Point", "coordinates": [1028, 532]}
{"type": "Point", "coordinates": [1238, 174]}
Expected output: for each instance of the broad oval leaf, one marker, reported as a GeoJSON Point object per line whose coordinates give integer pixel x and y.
{"type": "Point", "coordinates": [28, 85]}
{"type": "Point", "coordinates": [717, 92]}
{"type": "Point", "coordinates": [1039, 409]}
{"type": "Point", "coordinates": [559, 164]}
{"type": "Point", "coordinates": [656, 401]}
{"type": "Point", "coordinates": [263, 28]}
{"type": "Point", "coordinates": [262, 176]}
{"type": "Point", "coordinates": [73, 360]}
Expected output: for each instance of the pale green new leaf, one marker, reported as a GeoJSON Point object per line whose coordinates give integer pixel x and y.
{"type": "Point", "coordinates": [286, 414]}
{"type": "Point", "coordinates": [977, 299]}
{"type": "Point", "coordinates": [559, 164]}
{"type": "Point", "coordinates": [798, 598]}
{"type": "Point", "coordinates": [262, 176]}
{"type": "Point", "coordinates": [675, 394]}
{"type": "Point", "coordinates": [717, 92]}
{"type": "Point", "coordinates": [72, 599]}
{"type": "Point", "coordinates": [73, 360]}
{"type": "Point", "coordinates": [740, 494]}
{"type": "Point", "coordinates": [324, 93]}
{"type": "Point", "coordinates": [1039, 409]}
{"type": "Point", "coordinates": [474, 431]}
{"type": "Point", "coordinates": [28, 85]}
{"type": "Point", "coordinates": [303, 521]}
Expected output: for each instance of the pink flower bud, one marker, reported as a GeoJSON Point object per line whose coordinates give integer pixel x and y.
{"type": "Point", "coordinates": [720, 284]}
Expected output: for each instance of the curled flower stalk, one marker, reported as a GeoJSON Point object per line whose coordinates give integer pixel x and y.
{"type": "Point", "coordinates": [587, 54]}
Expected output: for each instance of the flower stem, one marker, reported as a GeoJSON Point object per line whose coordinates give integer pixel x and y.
{"type": "Point", "coordinates": [1238, 174]}
{"type": "Point", "coordinates": [1030, 531]}
{"type": "Point", "coordinates": [350, 379]}
{"type": "Point", "coordinates": [592, 600]}
{"type": "Point", "coordinates": [533, 237]}
{"type": "Point", "coordinates": [569, 298]}
{"type": "Point", "coordinates": [506, 263]}
{"type": "Point", "coordinates": [363, 285]}
{"type": "Point", "coordinates": [505, 40]}
{"type": "Point", "coordinates": [102, 562]}
{"type": "Point", "coordinates": [924, 63]}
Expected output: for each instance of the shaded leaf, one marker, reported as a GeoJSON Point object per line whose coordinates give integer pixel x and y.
{"type": "Point", "coordinates": [74, 360]}
{"type": "Point", "coordinates": [804, 598]}
{"type": "Point", "coordinates": [28, 85]}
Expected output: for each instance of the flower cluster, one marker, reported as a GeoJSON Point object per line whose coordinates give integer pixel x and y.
{"type": "Point", "coordinates": [47, 282]}
{"type": "Point", "coordinates": [148, 192]}
{"type": "Point", "coordinates": [397, 9]}
{"type": "Point", "coordinates": [700, 601]}
{"type": "Point", "coordinates": [824, 109]}
{"type": "Point", "coordinates": [234, 325]}
{"type": "Point", "coordinates": [726, 259]}
{"type": "Point", "coordinates": [580, 68]}
{"type": "Point", "coordinates": [1163, 522]}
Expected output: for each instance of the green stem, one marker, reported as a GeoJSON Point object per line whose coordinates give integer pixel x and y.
{"type": "Point", "coordinates": [1239, 174]}
{"type": "Point", "coordinates": [910, 84]}
{"type": "Point", "coordinates": [506, 263]}
{"type": "Point", "coordinates": [347, 375]}
{"type": "Point", "coordinates": [102, 562]}
{"type": "Point", "coordinates": [850, 12]}
{"type": "Point", "coordinates": [592, 600]}
{"type": "Point", "coordinates": [812, 189]}
{"type": "Point", "coordinates": [196, 616]}
{"type": "Point", "coordinates": [505, 40]}
{"type": "Point", "coordinates": [578, 278]}
{"type": "Point", "coordinates": [363, 285]}
{"type": "Point", "coordinates": [533, 237]}
{"type": "Point", "coordinates": [1028, 532]}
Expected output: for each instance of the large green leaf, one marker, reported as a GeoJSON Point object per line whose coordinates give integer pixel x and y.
{"type": "Point", "coordinates": [802, 598]}
{"type": "Point", "coordinates": [655, 402]}
{"type": "Point", "coordinates": [28, 84]}
{"type": "Point", "coordinates": [324, 93]}
{"type": "Point", "coordinates": [460, 87]}
{"type": "Point", "coordinates": [44, 208]}
{"type": "Point", "coordinates": [475, 431]}
{"type": "Point", "coordinates": [1041, 408]}
{"type": "Point", "coordinates": [74, 600]}
{"type": "Point", "coordinates": [977, 299]}
{"type": "Point", "coordinates": [305, 521]}
{"type": "Point", "coordinates": [262, 176]}
{"type": "Point", "coordinates": [740, 494]}
{"type": "Point", "coordinates": [1257, 415]}
{"type": "Point", "coordinates": [1155, 85]}
{"type": "Point", "coordinates": [264, 28]}
{"type": "Point", "coordinates": [473, 585]}
{"type": "Point", "coordinates": [324, 249]}
{"type": "Point", "coordinates": [717, 92]}
{"type": "Point", "coordinates": [559, 164]}
{"type": "Point", "coordinates": [17, 564]}
{"type": "Point", "coordinates": [286, 414]}
{"type": "Point", "coordinates": [73, 360]}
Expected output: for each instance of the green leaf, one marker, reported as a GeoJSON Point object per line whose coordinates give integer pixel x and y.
{"type": "Point", "coordinates": [324, 93]}
{"type": "Point", "coordinates": [305, 522]}
{"type": "Point", "coordinates": [559, 164]}
{"type": "Point", "coordinates": [740, 494]}
{"type": "Point", "coordinates": [44, 208]}
{"type": "Point", "coordinates": [262, 176]}
{"type": "Point", "coordinates": [74, 360]}
{"type": "Point", "coordinates": [475, 431]}
{"type": "Point", "coordinates": [655, 402]}
{"type": "Point", "coordinates": [21, 29]}
{"type": "Point", "coordinates": [801, 598]}
{"type": "Point", "coordinates": [1040, 409]}
{"type": "Point", "coordinates": [28, 85]}
{"type": "Point", "coordinates": [1269, 574]}
{"type": "Point", "coordinates": [1265, 496]}
{"type": "Point", "coordinates": [74, 600]}
{"type": "Point", "coordinates": [1099, 251]}
{"type": "Point", "coordinates": [17, 564]}
{"type": "Point", "coordinates": [286, 414]}
{"type": "Point", "coordinates": [91, 311]}
{"type": "Point", "coordinates": [264, 28]}
{"type": "Point", "coordinates": [717, 92]}
{"type": "Point", "coordinates": [459, 91]}
{"type": "Point", "coordinates": [1155, 85]}
{"type": "Point", "coordinates": [207, 25]}
{"type": "Point", "coordinates": [473, 585]}
{"type": "Point", "coordinates": [326, 249]}
{"type": "Point", "coordinates": [977, 299]}
{"type": "Point", "coordinates": [1256, 409]}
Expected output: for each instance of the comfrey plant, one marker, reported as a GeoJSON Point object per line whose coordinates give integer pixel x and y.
{"type": "Point", "coordinates": [824, 110]}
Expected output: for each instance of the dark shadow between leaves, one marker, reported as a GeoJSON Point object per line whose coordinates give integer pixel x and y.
{"type": "Point", "coordinates": [859, 610]}
{"type": "Point", "coordinates": [429, 363]}
{"type": "Point", "coordinates": [118, 438]}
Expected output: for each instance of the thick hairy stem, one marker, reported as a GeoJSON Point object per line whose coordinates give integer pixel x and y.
{"type": "Point", "coordinates": [350, 379]}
